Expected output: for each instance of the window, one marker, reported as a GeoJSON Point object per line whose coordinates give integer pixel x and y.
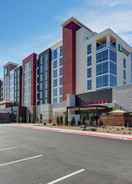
{"type": "Point", "coordinates": [61, 99]}
{"type": "Point", "coordinates": [61, 81]}
{"type": "Point", "coordinates": [113, 81]}
{"type": "Point", "coordinates": [124, 63]}
{"type": "Point", "coordinates": [55, 83]}
{"type": "Point", "coordinates": [113, 56]}
{"type": "Point", "coordinates": [89, 72]}
{"type": "Point", "coordinates": [61, 91]}
{"type": "Point", "coordinates": [55, 92]}
{"type": "Point", "coordinates": [55, 64]}
{"type": "Point", "coordinates": [102, 68]}
{"type": "Point", "coordinates": [113, 68]}
{"type": "Point", "coordinates": [61, 71]}
{"type": "Point", "coordinates": [89, 60]}
{"type": "Point", "coordinates": [124, 74]}
{"type": "Point", "coordinates": [102, 81]}
{"type": "Point", "coordinates": [61, 61]}
{"type": "Point", "coordinates": [61, 51]}
{"type": "Point", "coordinates": [89, 84]}
{"type": "Point", "coordinates": [55, 73]}
{"type": "Point", "coordinates": [102, 56]}
{"type": "Point", "coordinates": [54, 54]}
{"type": "Point", "coordinates": [89, 49]}
{"type": "Point", "coordinates": [54, 100]}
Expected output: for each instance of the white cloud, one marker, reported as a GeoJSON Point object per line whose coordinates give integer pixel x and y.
{"type": "Point", "coordinates": [101, 14]}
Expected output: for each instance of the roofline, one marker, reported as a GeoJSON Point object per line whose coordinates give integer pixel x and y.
{"type": "Point", "coordinates": [8, 63]}
{"type": "Point", "coordinates": [73, 19]}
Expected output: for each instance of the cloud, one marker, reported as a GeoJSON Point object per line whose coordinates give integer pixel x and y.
{"type": "Point", "coordinates": [101, 14]}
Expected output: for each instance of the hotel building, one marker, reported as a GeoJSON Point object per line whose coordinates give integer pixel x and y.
{"type": "Point", "coordinates": [87, 70]}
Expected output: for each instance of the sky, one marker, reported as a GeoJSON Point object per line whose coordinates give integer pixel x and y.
{"type": "Point", "coordinates": [28, 26]}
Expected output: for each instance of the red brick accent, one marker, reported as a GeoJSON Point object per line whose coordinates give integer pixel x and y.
{"type": "Point", "coordinates": [69, 49]}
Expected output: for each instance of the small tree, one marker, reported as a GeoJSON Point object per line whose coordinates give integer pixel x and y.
{"type": "Point", "coordinates": [58, 120]}
{"type": "Point", "coordinates": [73, 121]}
{"type": "Point", "coordinates": [61, 120]}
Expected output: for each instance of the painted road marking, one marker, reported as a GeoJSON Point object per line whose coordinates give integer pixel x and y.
{"type": "Point", "coordinates": [8, 148]}
{"type": "Point", "coordinates": [67, 176]}
{"type": "Point", "coordinates": [20, 160]}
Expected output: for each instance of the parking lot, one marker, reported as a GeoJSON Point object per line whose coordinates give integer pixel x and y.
{"type": "Point", "coordinates": [29, 156]}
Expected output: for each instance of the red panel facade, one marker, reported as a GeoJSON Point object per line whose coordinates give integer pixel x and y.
{"type": "Point", "coordinates": [69, 50]}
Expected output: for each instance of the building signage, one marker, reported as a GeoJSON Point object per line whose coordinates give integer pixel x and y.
{"type": "Point", "coordinates": [123, 50]}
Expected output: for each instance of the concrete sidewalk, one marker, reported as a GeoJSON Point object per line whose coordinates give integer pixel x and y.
{"type": "Point", "coordinates": [77, 132]}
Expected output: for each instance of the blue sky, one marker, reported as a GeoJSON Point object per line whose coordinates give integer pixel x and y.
{"type": "Point", "coordinates": [32, 25]}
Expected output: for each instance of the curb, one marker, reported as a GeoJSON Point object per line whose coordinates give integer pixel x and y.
{"type": "Point", "coordinates": [78, 132]}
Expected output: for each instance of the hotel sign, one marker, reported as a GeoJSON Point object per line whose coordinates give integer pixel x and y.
{"type": "Point", "coordinates": [123, 50]}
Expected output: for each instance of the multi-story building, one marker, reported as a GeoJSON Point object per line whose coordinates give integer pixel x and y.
{"type": "Point", "coordinates": [85, 67]}
{"type": "Point", "coordinates": [86, 72]}
{"type": "Point", "coordinates": [7, 89]}
{"type": "Point", "coordinates": [44, 86]}
{"type": "Point", "coordinates": [1, 90]}
{"type": "Point", "coordinates": [29, 86]}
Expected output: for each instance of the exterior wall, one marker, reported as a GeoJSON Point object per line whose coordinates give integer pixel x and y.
{"type": "Point", "coordinates": [69, 47]}
{"type": "Point", "coordinates": [44, 113]}
{"type": "Point", "coordinates": [120, 68]}
{"type": "Point", "coordinates": [85, 38]}
{"type": "Point", "coordinates": [11, 86]}
{"type": "Point", "coordinates": [18, 86]}
{"type": "Point", "coordinates": [44, 86]}
{"type": "Point", "coordinates": [29, 86]}
{"type": "Point", "coordinates": [1, 90]}
{"type": "Point", "coordinates": [6, 88]}
{"type": "Point", "coordinates": [57, 74]}
{"type": "Point", "coordinates": [44, 78]}
{"type": "Point", "coordinates": [122, 97]}
{"type": "Point", "coordinates": [82, 37]}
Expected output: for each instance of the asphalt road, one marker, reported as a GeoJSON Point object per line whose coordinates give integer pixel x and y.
{"type": "Point", "coordinates": [30, 156]}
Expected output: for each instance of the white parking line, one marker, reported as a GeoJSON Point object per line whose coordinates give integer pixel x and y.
{"type": "Point", "coordinates": [8, 148]}
{"type": "Point", "coordinates": [21, 160]}
{"type": "Point", "coordinates": [67, 176]}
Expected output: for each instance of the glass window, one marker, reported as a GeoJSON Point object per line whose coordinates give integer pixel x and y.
{"type": "Point", "coordinates": [61, 71]}
{"type": "Point", "coordinates": [54, 54]}
{"type": "Point", "coordinates": [89, 84]}
{"type": "Point", "coordinates": [102, 81]}
{"type": "Point", "coordinates": [113, 80]}
{"type": "Point", "coordinates": [61, 81]}
{"type": "Point", "coordinates": [54, 100]}
{"type": "Point", "coordinates": [55, 83]}
{"type": "Point", "coordinates": [89, 49]}
{"type": "Point", "coordinates": [105, 80]}
{"type": "Point", "coordinates": [54, 73]}
{"type": "Point", "coordinates": [113, 68]}
{"type": "Point", "coordinates": [55, 92]}
{"type": "Point", "coordinates": [61, 61]}
{"type": "Point", "coordinates": [61, 51]}
{"type": "Point", "coordinates": [61, 99]}
{"type": "Point", "coordinates": [124, 74]}
{"type": "Point", "coordinates": [102, 68]}
{"type": "Point", "coordinates": [99, 69]}
{"type": "Point", "coordinates": [102, 56]}
{"type": "Point", "coordinates": [113, 56]}
{"type": "Point", "coordinates": [89, 72]}
{"type": "Point", "coordinates": [61, 91]}
{"type": "Point", "coordinates": [89, 60]}
{"type": "Point", "coordinates": [124, 63]}
{"type": "Point", "coordinates": [55, 64]}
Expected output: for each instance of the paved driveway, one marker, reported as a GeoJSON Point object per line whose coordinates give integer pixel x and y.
{"type": "Point", "coordinates": [29, 156]}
